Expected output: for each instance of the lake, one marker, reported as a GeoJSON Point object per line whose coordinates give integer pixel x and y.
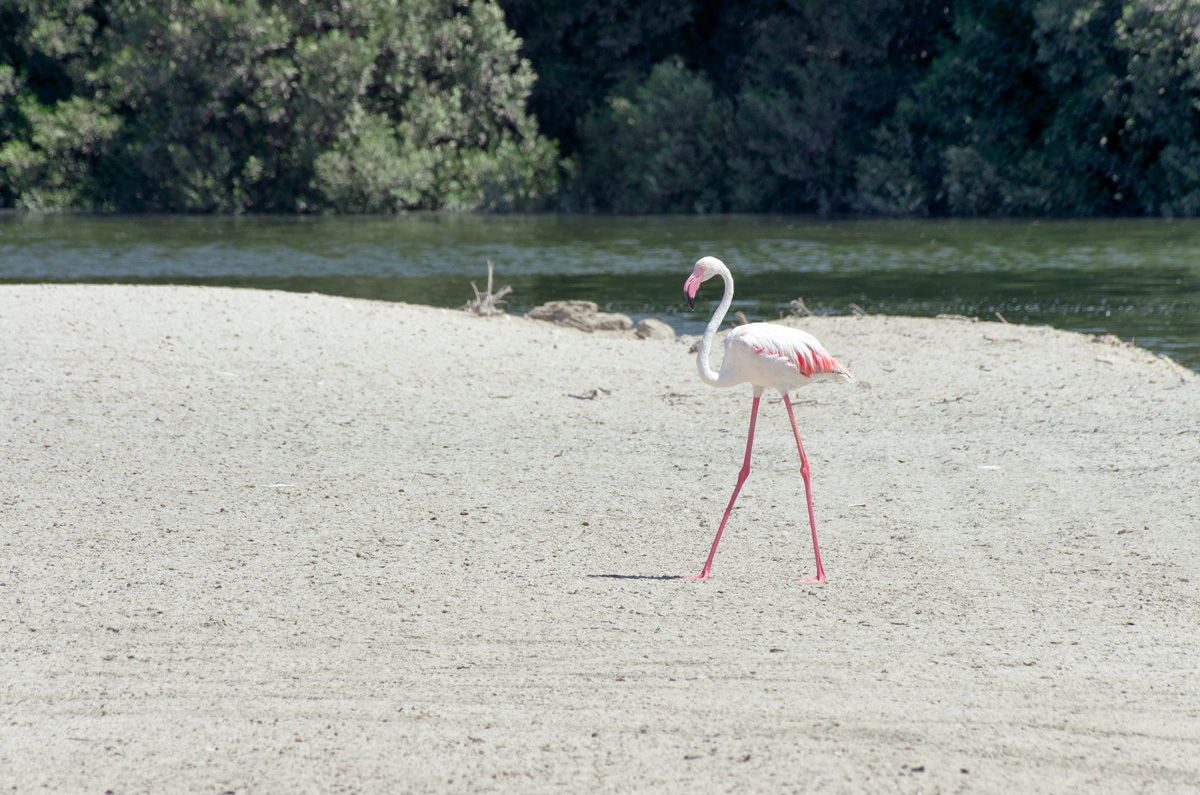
{"type": "Point", "coordinates": [1137, 279]}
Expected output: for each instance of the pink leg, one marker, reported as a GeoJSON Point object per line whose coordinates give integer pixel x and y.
{"type": "Point", "coordinates": [807, 491]}
{"type": "Point", "coordinates": [704, 575]}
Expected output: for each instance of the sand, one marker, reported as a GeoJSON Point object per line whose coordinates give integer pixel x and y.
{"type": "Point", "coordinates": [268, 542]}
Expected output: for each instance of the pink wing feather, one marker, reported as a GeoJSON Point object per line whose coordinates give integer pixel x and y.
{"type": "Point", "coordinates": [793, 346]}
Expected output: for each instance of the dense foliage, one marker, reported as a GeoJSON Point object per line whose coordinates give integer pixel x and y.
{"type": "Point", "coordinates": [960, 107]}
{"type": "Point", "coordinates": [266, 105]}
{"type": "Point", "coordinates": [1059, 106]}
{"type": "Point", "coordinates": [963, 107]}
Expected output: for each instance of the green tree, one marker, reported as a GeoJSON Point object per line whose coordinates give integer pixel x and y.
{"type": "Point", "coordinates": [1048, 106]}
{"type": "Point", "coordinates": [222, 106]}
{"type": "Point", "coordinates": [585, 49]}
{"type": "Point", "coordinates": [657, 146]}
{"type": "Point", "coordinates": [799, 87]}
{"type": "Point", "coordinates": [958, 131]}
{"type": "Point", "coordinates": [446, 119]}
{"type": "Point", "coordinates": [816, 82]}
{"type": "Point", "coordinates": [51, 139]}
{"type": "Point", "coordinates": [1160, 103]}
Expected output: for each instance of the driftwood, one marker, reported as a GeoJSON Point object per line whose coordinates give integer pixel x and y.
{"type": "Point", "coordinates": [487, 303]}
{"type": "Point", "coordinates": [797, 308]}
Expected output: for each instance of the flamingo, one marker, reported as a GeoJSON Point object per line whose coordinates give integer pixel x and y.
{"type": "Point", "coordinates": [767, 356]}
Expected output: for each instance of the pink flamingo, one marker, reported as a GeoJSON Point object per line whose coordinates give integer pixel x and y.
{"type": "Point", "coordinates": [765, 355]}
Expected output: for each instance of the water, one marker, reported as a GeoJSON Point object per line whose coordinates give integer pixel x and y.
{"type": "Point", "coordinates": [1137, 279]}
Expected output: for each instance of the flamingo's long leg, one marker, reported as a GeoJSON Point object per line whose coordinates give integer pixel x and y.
{"type": "Point", "coordinates": [742, 475]}
{"type": "Point", "coordinates": [807, 490]}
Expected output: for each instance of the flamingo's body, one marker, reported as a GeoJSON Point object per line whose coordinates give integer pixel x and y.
{"type": "Point", "coordinates": [764, 355]}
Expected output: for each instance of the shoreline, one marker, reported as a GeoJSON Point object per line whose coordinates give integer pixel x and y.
{"type": "Point", "coordinates": [692, 323]}
{"type": "Point", "coordinates": [280, 541]}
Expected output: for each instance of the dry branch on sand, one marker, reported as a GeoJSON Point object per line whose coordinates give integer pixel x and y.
{"type": "Point", "coordinates": [797, 308]}
{"type": "Point", "coordinates": [486, 303]}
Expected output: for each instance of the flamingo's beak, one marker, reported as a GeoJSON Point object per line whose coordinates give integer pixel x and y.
{"type": "Point", "coordinates": [692, 285]}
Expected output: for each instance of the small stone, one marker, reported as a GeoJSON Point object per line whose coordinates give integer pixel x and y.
{"type": "Point", "coordinates": [576, 314]}
{"type": "Point", "coordinates": [654, 329]}
{"type": "Point", "coordinates": [612, 321]}
{"type": "Point", "coordinates": [583, 315]}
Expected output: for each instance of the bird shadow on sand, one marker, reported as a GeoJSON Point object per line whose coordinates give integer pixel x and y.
{"type": "Point", "coordinates": [634, 576]}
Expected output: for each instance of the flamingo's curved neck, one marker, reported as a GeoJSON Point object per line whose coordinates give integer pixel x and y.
{"type": "Point", "coordinates": [707, 374]}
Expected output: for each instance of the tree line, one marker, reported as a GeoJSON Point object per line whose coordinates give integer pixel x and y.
{"type": "Point", "coordinates": [946, 107]}
{"type": "Point", "coordinates": [257, 106]}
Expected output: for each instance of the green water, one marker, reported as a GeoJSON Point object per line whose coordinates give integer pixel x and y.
{"type": "Point", "coordinates": [1137, 279]}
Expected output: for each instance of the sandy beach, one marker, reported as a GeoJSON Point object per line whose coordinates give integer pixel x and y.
{"type": "Point", "coordinates": [268, 542]}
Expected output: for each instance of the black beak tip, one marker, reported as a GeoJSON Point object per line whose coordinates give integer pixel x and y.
{"type": "Point", "coordinates": [691, 301]}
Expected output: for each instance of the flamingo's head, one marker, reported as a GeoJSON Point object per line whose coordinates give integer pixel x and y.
{"type": "Point", "coordinates": [706, 268]}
